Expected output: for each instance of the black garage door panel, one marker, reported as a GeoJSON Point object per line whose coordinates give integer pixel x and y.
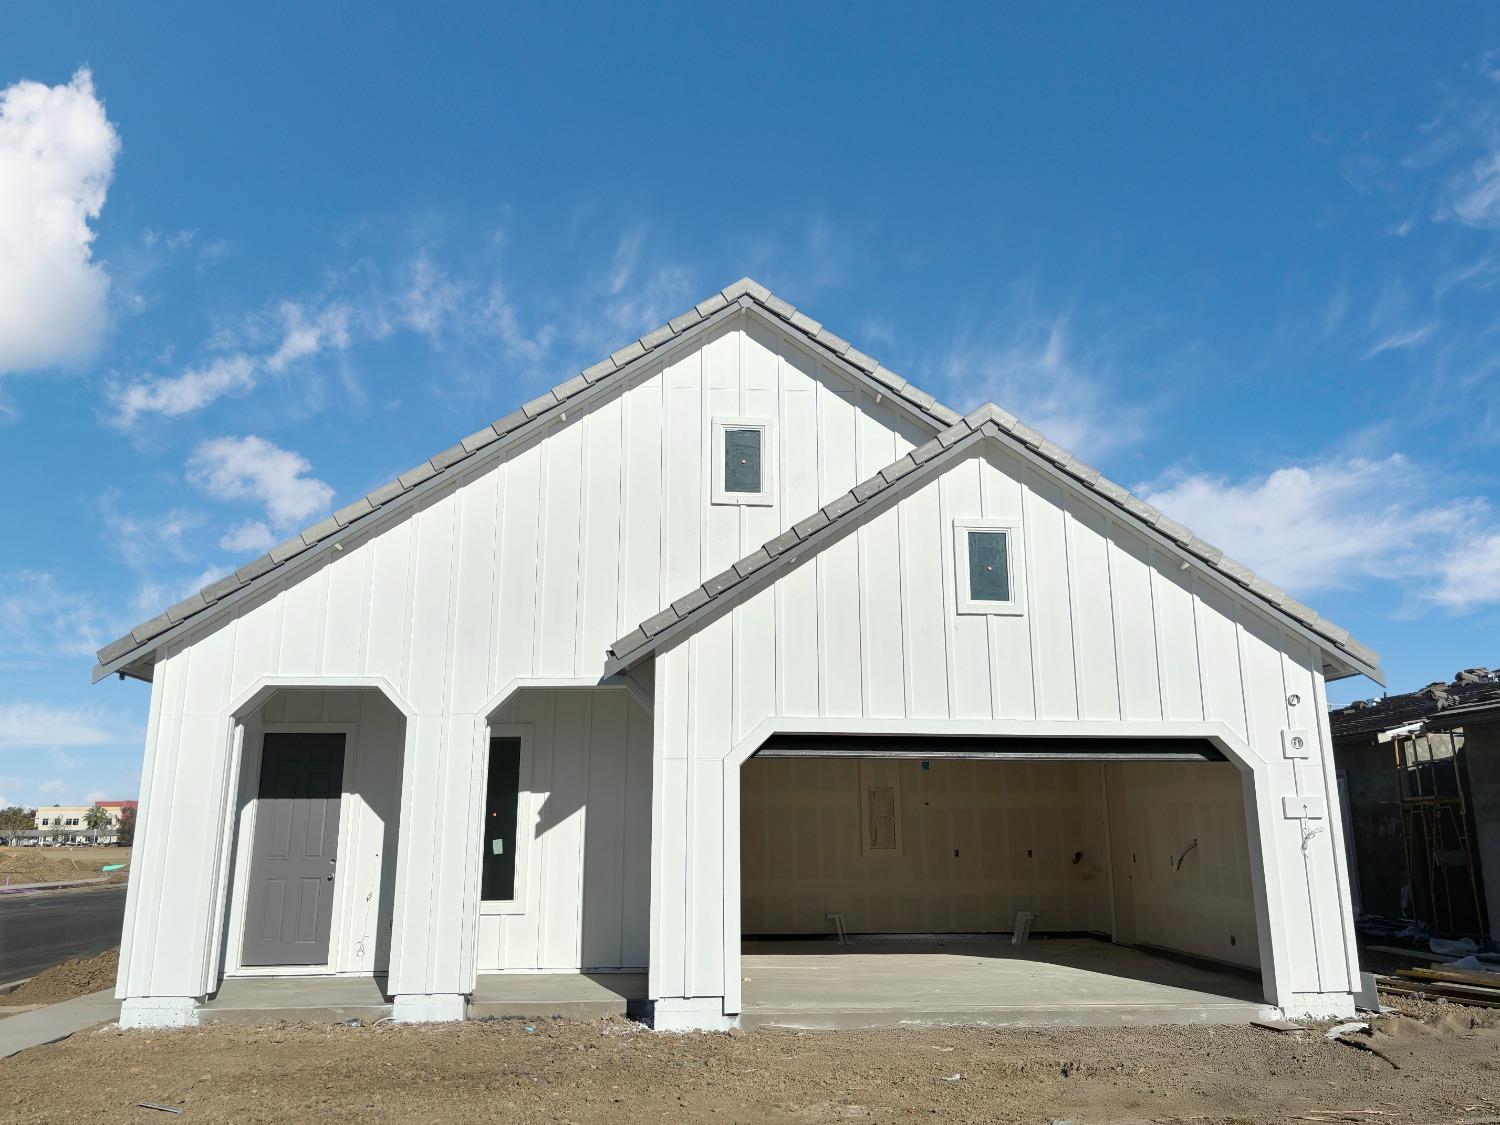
{"type": "Point", "coordinates": [963, 746]}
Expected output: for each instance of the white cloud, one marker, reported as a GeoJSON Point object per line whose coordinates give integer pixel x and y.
{"type": "Point", "coordinates": [1039, 373]}
{"type": "Point", "coordinates": [300, 332]}
{"type": "Point", "coordinates": [1470, 575]}
{"type": "Point", "coordinates": [627, 259]}
{"type": "Point", "coordinates": [181, 394]}
{"type": "Point", "coordinates": [431, 298]}
{"type": "Point", "coordinates": [1401, 339]}
{"type": "Point", "coordinates": [1340, 523]}
{"type": "Point", "coordinates": [41, 726]}
{"type": "Point", "coordinates": [526, 348]}
{"type": "Point", "coordinates": [251, 468]}
{"type": "Point", "coordinates": [1473, 196]}
{"type": "Point", "coordinates": [308, 334]}
{"type": "Point", "coordinates": [54, 787]}
{"type": "Point", "coordinates": [148, 542]}
{"type": "Point", "coordinates": [57, 155]}
{"type": "Point", "coordinates": [39, 618]}
{"type": "Point", "coordinates": [1462, 143]}
{"type": "Point", "coordinates": [249, 538]}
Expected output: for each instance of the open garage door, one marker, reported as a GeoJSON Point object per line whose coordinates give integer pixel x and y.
{"type": "Point", "coordinates": [1104, 844]}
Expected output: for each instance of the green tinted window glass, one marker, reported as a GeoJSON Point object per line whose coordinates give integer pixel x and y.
{"type": "Point", "coordinates": [742, 460]}
{"type": "Point", "coordinates": [989, 567]}
{"type": "Point", "coordinates": [497, 862]}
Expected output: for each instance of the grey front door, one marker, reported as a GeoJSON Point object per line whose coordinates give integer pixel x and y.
{"type": "Point", "coordinates": [290, 905]}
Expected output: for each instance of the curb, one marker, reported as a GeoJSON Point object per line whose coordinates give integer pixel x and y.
{"type": "Point", "coordinates": [24, 888]}
{"type": "Point", "coordinates": [10, 986]}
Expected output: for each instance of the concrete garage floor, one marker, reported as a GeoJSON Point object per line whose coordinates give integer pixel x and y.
{"type": "Point", "coordinates": [823, 985]}
{"type": "Point", "coordinates": [869, 984]}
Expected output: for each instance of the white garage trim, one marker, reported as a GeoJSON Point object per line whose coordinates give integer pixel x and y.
{"type": "Point", "coordinates": [1258, 803]}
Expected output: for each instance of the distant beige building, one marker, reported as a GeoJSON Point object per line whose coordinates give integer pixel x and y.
{"type": "Point", "coordinates": [74, 819]}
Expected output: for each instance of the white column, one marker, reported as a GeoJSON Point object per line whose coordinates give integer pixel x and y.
{"type": "Point", "coordinates": [436, 904]}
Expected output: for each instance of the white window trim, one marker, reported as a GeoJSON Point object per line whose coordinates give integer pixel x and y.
{"type": "Point", "coordinates": [766, 496]}
{"type": "Point", "coordinates": [528, 806]}
{"type": "Point", "coordinates": [1015, 564]}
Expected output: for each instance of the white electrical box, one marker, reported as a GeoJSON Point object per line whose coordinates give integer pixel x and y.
{"type": "Point", "coordinates": [1311, 807]}
{"type": "Point", "coordinates": [1296, 743]}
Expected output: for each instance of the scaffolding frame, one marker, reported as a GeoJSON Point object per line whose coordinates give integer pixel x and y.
{"type": "Point", "coordinates": [1436, 825]}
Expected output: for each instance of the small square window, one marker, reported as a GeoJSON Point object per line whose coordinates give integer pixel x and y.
{"type": "Point", "coordinates": [988, 566]}
{"type": "Point", "coordinates": [744, 457]}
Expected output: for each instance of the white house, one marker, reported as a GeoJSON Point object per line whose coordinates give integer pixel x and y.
{"type": "Point", "coordinates": [407, 744]}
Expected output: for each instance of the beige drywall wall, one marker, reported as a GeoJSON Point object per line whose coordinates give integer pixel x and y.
{"type": "Point", "coordinates": [1206, 905]}
{"type": "Point", "coordinates": [976, 842]}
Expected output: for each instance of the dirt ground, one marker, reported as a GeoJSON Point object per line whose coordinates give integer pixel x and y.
{"type": "Point", "coordinates": [65, 981]}
{"type": "Point", "coordinates": [60, 865]}
{"type": "Point", "coordinates": [1436, 1063]}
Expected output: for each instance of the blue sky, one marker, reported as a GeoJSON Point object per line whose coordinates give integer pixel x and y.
{"type": "Point", "coordinates": [255, 261]}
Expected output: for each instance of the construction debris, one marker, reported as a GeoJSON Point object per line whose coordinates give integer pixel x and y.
{"type": "Point", "coordinates": [1466, 985]}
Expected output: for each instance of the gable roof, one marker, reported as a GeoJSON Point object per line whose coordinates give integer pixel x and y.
{"type": "Point", "coordinates": [130, 654]}
{"type": "Point", "coordinates": [687, 613]}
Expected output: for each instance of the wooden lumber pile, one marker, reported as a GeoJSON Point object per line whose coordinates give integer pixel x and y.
{"type": "Point", "coordinates": [1461, 986]}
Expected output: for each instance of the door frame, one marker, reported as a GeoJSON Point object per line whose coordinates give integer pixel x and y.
{"type": "Point", "coordinates": [244, 839]}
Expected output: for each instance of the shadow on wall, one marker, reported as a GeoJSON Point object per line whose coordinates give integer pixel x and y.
{"type": "Point", "coordinates": [587, 882]}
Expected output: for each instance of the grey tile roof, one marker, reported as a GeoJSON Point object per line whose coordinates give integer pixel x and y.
{"type": "Point", "coordinates": [745, 293]}
{"type": "Point", "coordinates": [987, 421]}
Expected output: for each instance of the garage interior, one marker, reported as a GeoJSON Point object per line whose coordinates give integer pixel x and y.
{"type": "Point", "coordinates": [882, 880]}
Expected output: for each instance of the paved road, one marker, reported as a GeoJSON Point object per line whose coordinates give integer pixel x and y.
{"type": "Point", "coordinates": [39, 930]}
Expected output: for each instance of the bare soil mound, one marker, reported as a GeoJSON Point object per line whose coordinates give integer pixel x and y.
{"type": "Point", "coordinates": [65, 981]}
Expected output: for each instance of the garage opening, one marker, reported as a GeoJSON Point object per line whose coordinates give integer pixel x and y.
{"type": "Point", "coordinates": [886, 879]}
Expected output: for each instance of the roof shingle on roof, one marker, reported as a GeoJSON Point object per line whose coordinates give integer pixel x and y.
{"type": "Point", "coordinates": [1472, 689]}
{"type": "Point", "coordinates": [744, 293]}
{"type": "Point", "coordinates": [988, 420]}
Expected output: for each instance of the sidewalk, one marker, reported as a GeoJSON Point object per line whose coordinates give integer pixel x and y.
{"type": "Point", "coordinates": [20, 888]}
{"type": "Point", "coordinates": [57, 1021]}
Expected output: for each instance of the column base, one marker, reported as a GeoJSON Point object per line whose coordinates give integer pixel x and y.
{"type": "Point", "coordinates": [159, 1011]}
{"type": "Point", "coordinates": [441, 1007]}
{"type": "Point", "coordinates": [690, 1013]}
{"type": "Point", "coordinates": [1319, 1006]}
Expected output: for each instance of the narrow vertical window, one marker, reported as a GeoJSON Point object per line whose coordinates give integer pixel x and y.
{"type": "Point", "coordinates": [989, 566]}
{"type": "Point", "coordinates": [498, 835]}
{"type": "Point", "coordinates": [742, 460]}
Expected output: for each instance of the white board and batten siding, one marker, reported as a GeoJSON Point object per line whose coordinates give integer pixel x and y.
{"type": "Point", "coordinates": [585, 818]}
{"type": "Point", "coordinates": [521, 571]}
{"type": "Point", "coordinates": [1114, 631]}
